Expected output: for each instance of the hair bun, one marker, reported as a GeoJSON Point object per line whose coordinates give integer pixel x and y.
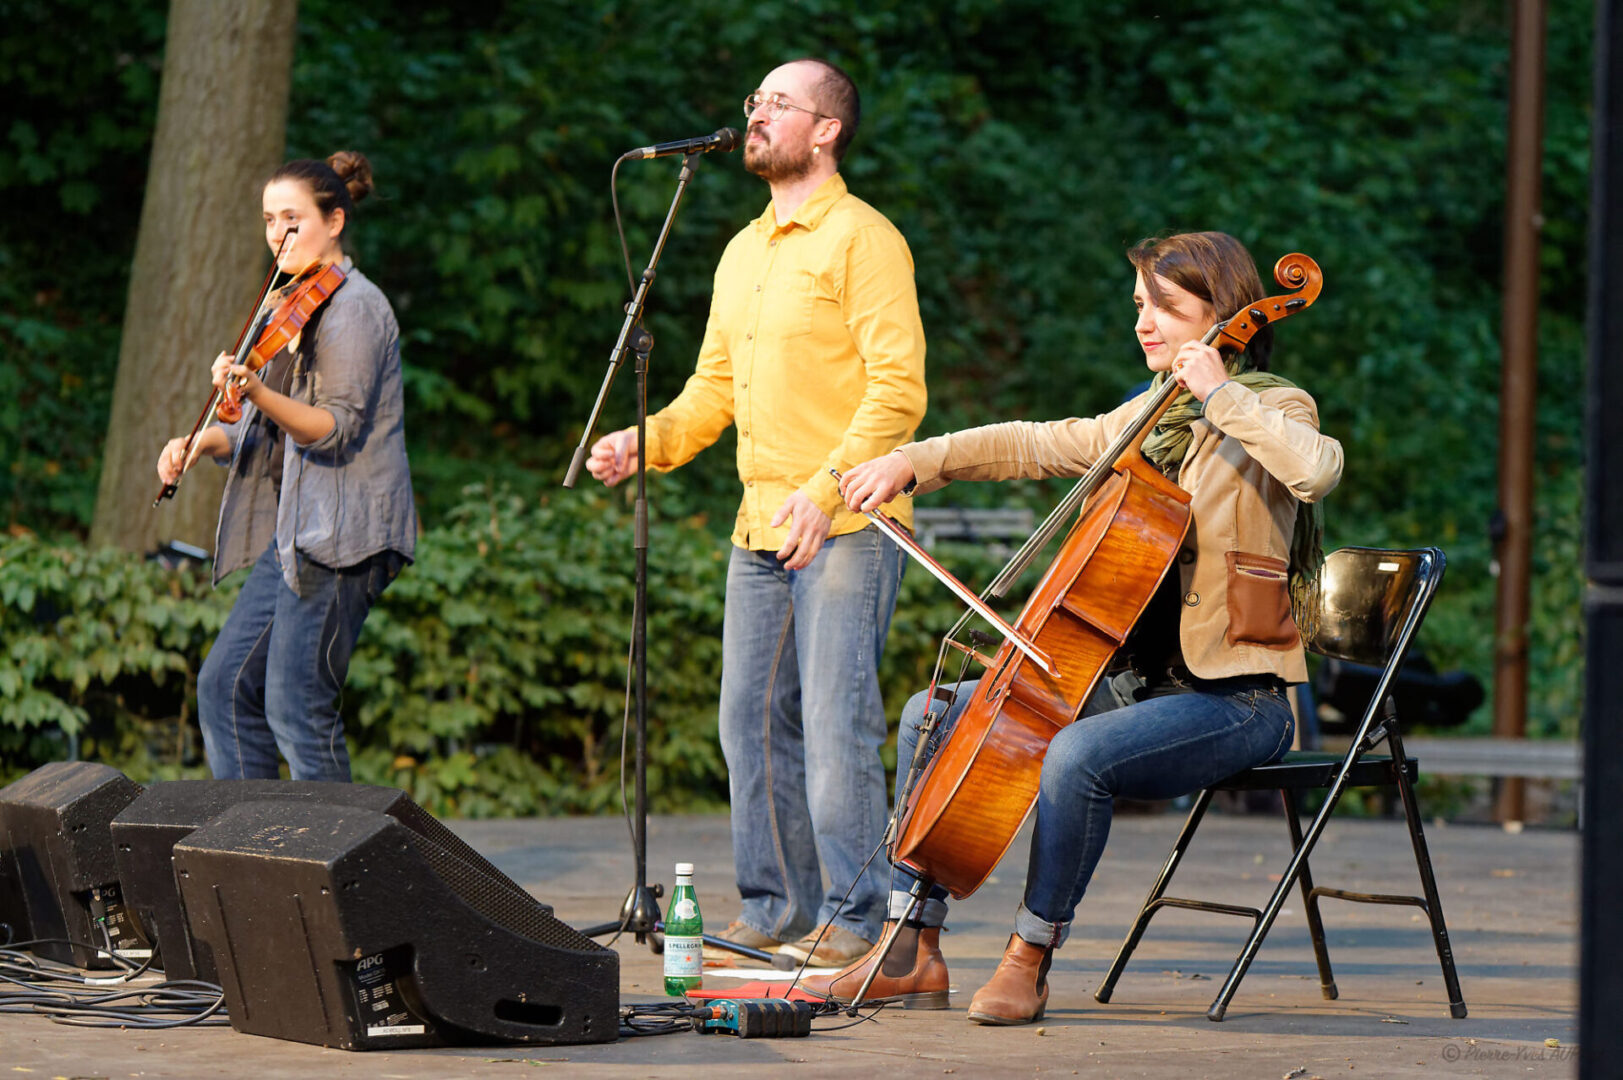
{"type": "Point", "coordinates": [355, 171]}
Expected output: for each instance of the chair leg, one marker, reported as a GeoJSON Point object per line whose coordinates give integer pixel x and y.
{"type": "Point", "coordinates": [1310, 901]}
{"type": "Point", "coordinates": [1428, 880]}
{"type": "Point", "coordinates": [1248, 953]}
{"type": "Point", "coordinates": [1151, 905]}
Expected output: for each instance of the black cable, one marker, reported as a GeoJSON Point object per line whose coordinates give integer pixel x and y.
{"type": "Point", "coordinates": [869, 1017]}
{"type": "Point", "coordinates": [801, 970]}
{"type": "Point", "coordinates": [162, 1005]}
{"type": "Point", "coordinates": [70, 996]}
{"type": "Point", "coordinates": [670, 1017]}
{"type": "Point", "coordinates": [103, 1016]}
{"type": "Point", "coordinates": [656, 1018]}
{"type": "Point", "coordinates": [157, 1006]}
{"type": "Point", "coordinates": [619, 223]}
{"type": "Point", "coordinates": [625, 728]}
{"type": "Point", "coordinates": [107, 939]}
{"type": "Point", "coordinates": [13, 955]}
{"type": "Point", "coordinates": [40, 969]}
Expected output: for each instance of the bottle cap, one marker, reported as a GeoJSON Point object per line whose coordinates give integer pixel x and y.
{"type": "Point", "coordinates": [684, 869]}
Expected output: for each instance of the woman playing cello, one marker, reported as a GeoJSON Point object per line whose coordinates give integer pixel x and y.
{"type": "Point", "coordinates": [318, 499]}
{"type": "Point", "coordinates": [1210, 656]}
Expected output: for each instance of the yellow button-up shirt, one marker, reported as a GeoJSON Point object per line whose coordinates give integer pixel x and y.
{"type": "Point", "coordinates": [815, 350]}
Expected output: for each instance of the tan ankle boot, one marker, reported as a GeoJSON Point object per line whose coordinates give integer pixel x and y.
{"type": "Point", "coordinates": [914, 975]}
{"type": "Point", "coordinates": [1018, 990]}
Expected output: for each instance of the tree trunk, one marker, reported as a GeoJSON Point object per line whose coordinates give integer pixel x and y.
{"type": "Point", "coordinates": [199, 256]}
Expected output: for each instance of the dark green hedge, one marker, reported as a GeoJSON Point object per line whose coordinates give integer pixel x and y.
{"type": "Point", "coordinates": [490, 679]}
{"type": "Point", "coordinates": [1020, 145]}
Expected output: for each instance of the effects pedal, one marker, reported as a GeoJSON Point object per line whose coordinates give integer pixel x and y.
{"type": "Point", "coordinates": [765, 1018]}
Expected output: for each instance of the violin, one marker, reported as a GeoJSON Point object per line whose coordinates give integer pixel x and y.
{"type": "Point", "coordinates": [294, 304]}
{"type": "Point", "coordinates": [300, 299]}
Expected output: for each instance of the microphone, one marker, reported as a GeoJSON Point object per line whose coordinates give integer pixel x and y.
{"type": "Point", "coordinates": [725, 139]}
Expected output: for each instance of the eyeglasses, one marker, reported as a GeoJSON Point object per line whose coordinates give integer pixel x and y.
{"type": "Point", "coordinates": [775, 105]}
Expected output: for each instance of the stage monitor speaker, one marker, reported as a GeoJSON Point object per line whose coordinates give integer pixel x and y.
{"type": "Point", "coordinates": [145, 833]}
{"type": "Point", "coordinates": [56, 863]}
{"type": "Point", "coordinates": [341, 927]}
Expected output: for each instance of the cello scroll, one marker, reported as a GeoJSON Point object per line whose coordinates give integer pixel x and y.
{"type": "Point", "coordinates": [1294, 271]}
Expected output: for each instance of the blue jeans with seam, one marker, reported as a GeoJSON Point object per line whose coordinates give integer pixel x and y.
{"type": "Point", "coordinates": [801, 728]}
{"type": "Point", "coordinates": [272, 679]}
{"type": "Point", "coordinates": [1167, 745]}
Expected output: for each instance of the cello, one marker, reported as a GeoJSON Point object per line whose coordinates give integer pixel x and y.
{"type": "Point", "coordinates": [958, 817]}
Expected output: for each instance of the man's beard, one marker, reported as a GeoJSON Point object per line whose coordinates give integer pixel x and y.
{"type": "Point", "coordinates": [774, 164]}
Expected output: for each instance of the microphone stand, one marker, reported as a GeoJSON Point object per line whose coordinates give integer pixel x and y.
{"type": "Point", "coordinates": [639, 913]}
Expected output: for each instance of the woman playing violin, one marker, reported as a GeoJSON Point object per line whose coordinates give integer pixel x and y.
{"type": "Point", "coordinates": [318, 498]}
{"type": "Point", "coordinates": [1204, 695]}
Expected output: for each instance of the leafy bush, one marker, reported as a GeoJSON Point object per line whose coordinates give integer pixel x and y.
{"type": "Point", "coordinates": [100, 652]}
{"type": "Point", "coordinates": [495, 666]}
{"type": "Point", "coordinates": [1019, 145]}
{"type": "Point", "coordinates": [489, 680]}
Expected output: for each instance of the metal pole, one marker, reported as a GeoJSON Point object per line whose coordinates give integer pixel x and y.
{"type": "Point", "coordinates": [1518, 383]}
{"type": "Point", "coordinates": [1600, 979]}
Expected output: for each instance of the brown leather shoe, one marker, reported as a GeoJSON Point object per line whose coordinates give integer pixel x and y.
{"type": "Point", "coordinates": [1018, 990]}
{"type": "Point", "coordinates": [739, 934]}
{"type": "Point", "coordinates": [914, 975]}
{"type": "Point", "coordinates": [827, 947]}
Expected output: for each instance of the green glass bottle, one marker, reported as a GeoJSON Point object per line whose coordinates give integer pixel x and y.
{"type": "Point", "coordinates": [684, 937]}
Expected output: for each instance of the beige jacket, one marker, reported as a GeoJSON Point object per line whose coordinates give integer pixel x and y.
{"type": "Point", "coordinates": [1252, 458]}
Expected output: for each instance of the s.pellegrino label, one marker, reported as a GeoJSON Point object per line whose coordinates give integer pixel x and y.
{"type": "Point", "coordinates": [684, 936]}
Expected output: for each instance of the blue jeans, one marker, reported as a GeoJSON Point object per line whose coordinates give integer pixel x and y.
{"type": "Point", "coordinates": [1167, 745]}
{"type": "Point", "coordinates": [272, 679]}
{"type": "Point", "coordinates": [801, 728]}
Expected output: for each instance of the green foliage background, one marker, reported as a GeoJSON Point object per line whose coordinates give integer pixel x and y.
{"type": "Point", "coordinates": [1020, 146]}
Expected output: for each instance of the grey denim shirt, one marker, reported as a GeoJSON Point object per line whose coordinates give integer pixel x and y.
{"type": "Point", "coordinates": [346, 496]}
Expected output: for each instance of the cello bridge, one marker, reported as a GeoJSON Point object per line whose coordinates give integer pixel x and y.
{"type": "Point", "coordinates": [975, 655]}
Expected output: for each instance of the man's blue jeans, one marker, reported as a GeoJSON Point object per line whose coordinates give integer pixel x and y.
{"type": "Point", "coordinates": [801, 728]}
{"type": "Point", "coordinates": [1168, 745]}
{"type": "Point", "coordinates": [272, 679]}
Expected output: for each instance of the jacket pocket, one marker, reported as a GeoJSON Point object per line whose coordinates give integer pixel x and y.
{"type": "Point", "coordinates": [1259, 604]}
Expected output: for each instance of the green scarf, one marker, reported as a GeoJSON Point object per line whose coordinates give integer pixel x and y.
{"type": "Point", "coordinates": [1169, 442]}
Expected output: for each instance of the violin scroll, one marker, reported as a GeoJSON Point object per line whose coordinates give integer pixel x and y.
{"type": "Point", "coordinates": [228, 410]}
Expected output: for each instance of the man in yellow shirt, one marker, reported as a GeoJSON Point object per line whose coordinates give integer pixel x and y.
{"type": "Point", "coordinates": [814, 350]}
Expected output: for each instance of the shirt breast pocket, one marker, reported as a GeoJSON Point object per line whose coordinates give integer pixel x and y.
{"type": "Point", "coordinates": [797, 305]}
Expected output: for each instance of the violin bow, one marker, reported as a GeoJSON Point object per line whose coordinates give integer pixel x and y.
{"type": "Point", "coordinates": [190, 451]}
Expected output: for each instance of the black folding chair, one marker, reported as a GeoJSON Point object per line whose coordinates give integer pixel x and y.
{"type": "Point", "coordinates": [1370, 604]}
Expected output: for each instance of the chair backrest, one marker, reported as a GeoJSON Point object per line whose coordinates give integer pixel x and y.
{"type": "Point", "coordinates": [1370, 602]}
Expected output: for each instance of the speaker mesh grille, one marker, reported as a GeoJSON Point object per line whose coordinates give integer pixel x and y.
{"type": "Point", "coordinates": [499, 899]}
{"type": "Point", "coordinates": [435, 831]}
